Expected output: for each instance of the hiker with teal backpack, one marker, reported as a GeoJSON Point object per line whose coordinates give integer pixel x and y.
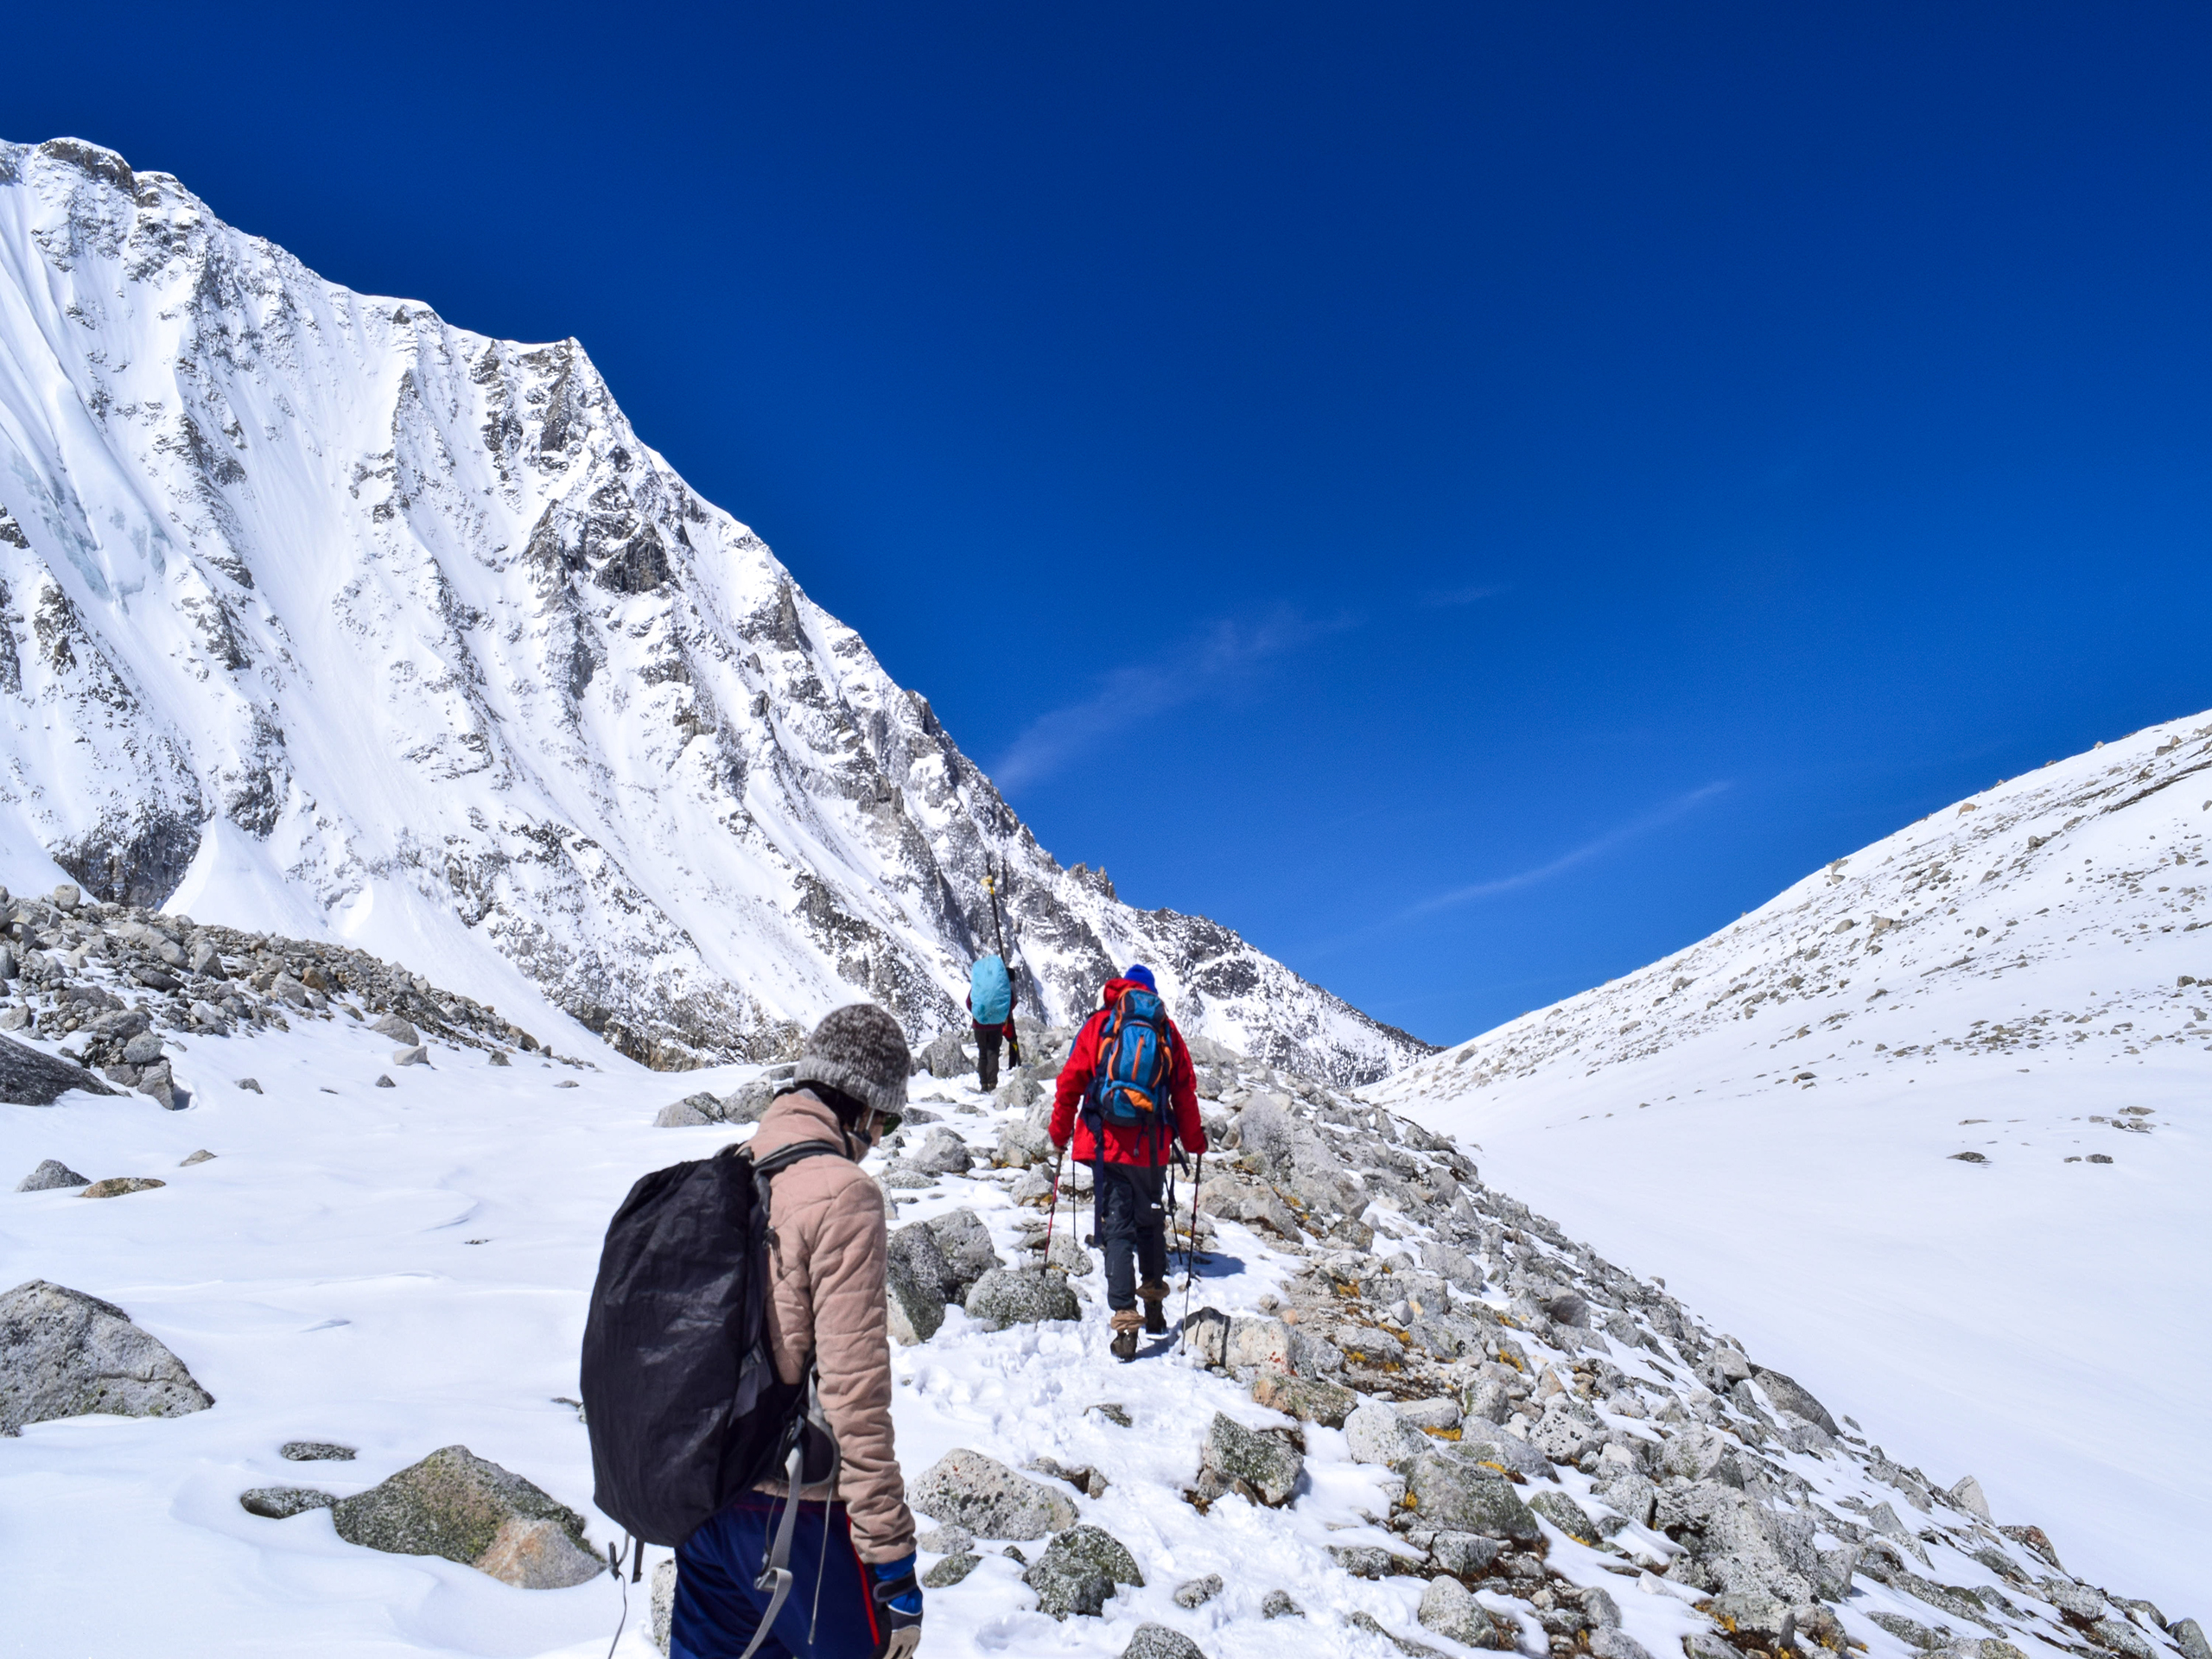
{"type": "Point", "coordinates": [1126, 1097]}
{"type": "Point", "coordinates": [990, 1005]}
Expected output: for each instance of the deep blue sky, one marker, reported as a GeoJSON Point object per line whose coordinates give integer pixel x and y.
{"type": "Point", "coordinates": [1514, 486]}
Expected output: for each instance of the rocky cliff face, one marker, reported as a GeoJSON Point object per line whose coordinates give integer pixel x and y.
{"type": "Point", "coordinates": [317, 612]}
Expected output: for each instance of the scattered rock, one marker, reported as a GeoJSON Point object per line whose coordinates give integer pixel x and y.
{"type": "Point", "coordinates": [664, 1602]}
{"type": "Point", "coordinates": [1452, 1493]}
{"type": "Point", "coordinates": [1911, 1631]}
{"type": "Point", "coordinates": [1266, 1465]}
{"type": "Point", "coordinates": [1450, 1609]}
{"type": "Point", "coordinates": [917, 1280]}
{"type": "Point", "coordinates": [249, 1085]}
{"type": "Point", "coordinates": [399, 1029]}
{"type": "Point", "coordinates": [49, 1175]}
{"type": "Point", "coordinates": [30, 1078]}
{"type": "Point", "coordinates": [1114, 1413]}
{"type": "Point", "coordinates": [951, 1570]}
{"type": "Point", "coordinates": [942, 1153]}
{"type": "Point", "coordinates": [1196, 1592]}
{"type": "Point", "coordinates": [1157, 1642]}
{"type": "Point", "coordinates": [1374, 1626]}
{"type": "Point", "coordinates": [1007, 1296]}
{"type": "Point", "coordinates": [1429, 1415]}
{"type": "Point", "coordinates": [202, 1156]}
{"type": "Point", "coordinates": [2190, 1635]}
{"type": "Point", "coordinates": [316, 1452]}
{"type": "Point", "coordinates": [1374, 1435]}
{"type": "Point", "coordinates": [457, 1505]}
{"type": "Point", "coordinates": [1765, 1619]}
{"type": "Point", "coordinates": [1079, 1571]}
{"type": "Point", "coordinates": [965, 1243]}
{"type": "Point", "coordinates": [65, 1354]}
{"type": "Point", "coordinates": [385, 1081]}
{"type": "Point", "coordinates": [1969, 1158]}
{"type": "Point", "coordinates": [1309, 1399]}
{"type": "Point", "coordinates": [116, 1187]}
{"type": "Point", "coordinates": [1372, 1562]}
{"type": "Point", "coordinates": [687, 1114]}
{"type": "Point", "coordinates": [1205, 1336]}
{"type": "Point", "coordinates": [1968, 1496]}
{"type": "Point", "coordinates": [967, 1489]}
{"type": "Point", "coordinates": [1566, 1514]}
{"type": "Point", "coordinates": [1277, 1603]}
{"type": "Point", "coordinates": [1465, 1554]}
{"type": "Point", "coordinates": [281, 1502]}
{"type": "Point", "coordinates": [945, 1540]}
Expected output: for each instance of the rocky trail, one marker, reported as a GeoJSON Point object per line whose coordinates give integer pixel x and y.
{"type": "Point", "coordinates": [1406, 1414]}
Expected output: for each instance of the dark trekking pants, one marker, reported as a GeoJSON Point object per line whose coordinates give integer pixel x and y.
{"type": "Point", "coordinates": [988, 1038]}
{"type": "Point", "coordinates": [1133, 1226]}
{"type": "Point", "coordinates": [717, 1608]}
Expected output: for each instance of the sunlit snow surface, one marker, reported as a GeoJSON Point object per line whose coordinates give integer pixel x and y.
{"type": "Point", "coordinates": [2037, 1322]}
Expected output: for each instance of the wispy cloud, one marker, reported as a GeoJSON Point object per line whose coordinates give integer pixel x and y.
{"type": "Point", "coordinates": [1451, 598]}
{"type": "Point", "coordinates": [1227, 653]}
{"type": "Point", "coordinates": [1641, 825]}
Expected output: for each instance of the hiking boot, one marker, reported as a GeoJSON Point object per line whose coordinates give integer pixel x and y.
{"type": "Point", "coordinates": [1155, 1322]}
{"type": "Point", "coordinates": [1125, 1323]}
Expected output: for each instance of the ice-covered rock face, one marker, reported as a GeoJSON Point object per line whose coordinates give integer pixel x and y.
{"type": "Point", "coordinates": [310, 601]}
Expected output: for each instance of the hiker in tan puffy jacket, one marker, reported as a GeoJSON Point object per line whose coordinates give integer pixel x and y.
{"type": "Point", "coordinates": [827, 1308]}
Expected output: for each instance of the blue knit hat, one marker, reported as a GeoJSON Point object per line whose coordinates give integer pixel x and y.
{"type": "Point", "coordinates": [1143, 975]}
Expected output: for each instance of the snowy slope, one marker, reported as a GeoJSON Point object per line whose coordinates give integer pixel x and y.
{"type": "Point", "coordinates": [320, 616]}
{"type": "Point", "coordinates": [1774, 1120]}
{"type": "Point", "coordinates": [400, 1269]}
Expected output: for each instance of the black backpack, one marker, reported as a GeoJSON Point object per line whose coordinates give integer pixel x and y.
{"type": "Point", "coordinates": [680, 1392]}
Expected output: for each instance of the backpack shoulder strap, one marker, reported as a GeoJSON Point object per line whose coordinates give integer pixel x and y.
{"type": "Point", "coordinates": [777, 1162]}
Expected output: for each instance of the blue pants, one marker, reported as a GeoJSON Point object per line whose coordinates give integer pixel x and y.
{"type": "Point", "coordinates": [717, 1608]}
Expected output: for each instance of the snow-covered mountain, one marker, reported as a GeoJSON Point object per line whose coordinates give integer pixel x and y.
{"type": "Point", "coordinates": [321, 615]}
{"type": "Point", "coordinates": [1931, 1125]}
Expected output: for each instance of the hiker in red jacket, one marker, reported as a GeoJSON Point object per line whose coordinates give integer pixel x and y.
{"type": "Point", "coordinates": [1127, 1095]}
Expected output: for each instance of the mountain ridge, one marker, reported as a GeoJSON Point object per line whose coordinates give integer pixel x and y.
{"type": "Point", "coordinates": [321, 610]}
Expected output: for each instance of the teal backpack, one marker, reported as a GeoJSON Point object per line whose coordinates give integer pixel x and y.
{"type": "Point", "coordinates": [991, 992]}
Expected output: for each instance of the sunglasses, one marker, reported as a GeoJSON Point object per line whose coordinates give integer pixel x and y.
{"type": "Point", "coordinates": [887, 1122]}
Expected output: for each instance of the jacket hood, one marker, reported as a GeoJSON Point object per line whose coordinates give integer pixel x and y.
{"type": "Point", "coordinates": [794, 1119]}
{"type": "Point", "coordinates": [1116, 987]}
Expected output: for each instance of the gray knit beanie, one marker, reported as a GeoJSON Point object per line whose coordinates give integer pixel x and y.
{"type": "Point", "coordinates": [861, 1050]}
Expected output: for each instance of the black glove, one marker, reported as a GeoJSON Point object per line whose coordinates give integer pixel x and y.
{"type": "Point", "coordinates": [898, 1608]}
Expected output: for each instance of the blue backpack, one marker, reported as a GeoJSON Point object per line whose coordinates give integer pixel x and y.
{"type": "Point", "coordinates": [991, 992]}
{"type": "Point", "coordinates": [1136, 1061]}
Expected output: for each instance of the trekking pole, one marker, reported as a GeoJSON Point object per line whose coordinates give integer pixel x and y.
{"type": "Point", "coordinates": [1053, 1212]}
{"type": "Point", "coordinates": [1190, 1255]}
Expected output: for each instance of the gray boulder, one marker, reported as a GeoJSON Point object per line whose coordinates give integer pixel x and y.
{"type": "Point", "coordinates": [1372, 1562]}
{"type": "Point", "coordinates": [458, 1505]}
{"type": "Point", "coordinates": [1766, 1619]}
{"type": "Point", "coordinates": [397, 1027]}
{"type": "Point", "coordinates": [1007, 1296]}
{"type": "Point", "coordinates": [1563, 1512]}
{"type": "Point", "coordinates": [917, 1280]}
{"type": "Point", "coordinates": [966, 1489]}
{"type": "Point", "coordinates": [948, 1056]}
{"type": "Point", "coordinates": [65, 1354]}
{"type": "Point", "coordinates": [1157, 1642]}
{"type": "Point", "coordinates": [965, 1243]}
{"type": "Point", "coordinates": [942, 1153]}
{"type": "Point", "coordinates": [316, 1452]}
{"type": "Point", "coordinates": [1430, 1414]}
{"type": "Point", "coordinates": [281, 1502]}
{"type": "Point", "coordinates": [1309, 1399]}
{"type": "Point", "coordinates": [1205, 1336]}
{"type": "Point", "coordinates": [1745, 1547]}
{"type": "Point", "coordinates": [1486, 1443]}
{"type": "Point", "coordinates": [664, 1602]}
{"type": "Point", "coordinates": [30, 1078]}
{"type": "Point", "coordinates": [1626, 1493]}
{"type": "Point", "coordinates": [1313, 1354]}
{"type": "Point", "coordinates": [1374, 1433]}
{"type": "Point", "coordinates": [1196, 1592]}
{"type": "Point", "coordinates": [1258, 1341]}
{"type": "Point", "coordinates": [51, 1174]}
{"type": "Point", "coordinates": [1450, 1609]}
{"type": "Point", "coordinates": [1792, 1397]}
{"type": "Point", "coordinates": [1079, 1571]}
{"type": "Point", "coordinates": [2190, 1635]}
{"type": "Point", "coordinates": [2122, 1636]}
{"type": "Point", "coordinates": [749, 1104]}
{"type": "Point", "coordinates": [1454, 1493]}
{"type": "Point", "coordinates": [1268, 1465]}
{"type": "Point", "coordinates": [689, 1112]}
{"type": "Point", "coordinates": [953, 1569]}
{"type": "Point", "coordinates": [1465, 1554]}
